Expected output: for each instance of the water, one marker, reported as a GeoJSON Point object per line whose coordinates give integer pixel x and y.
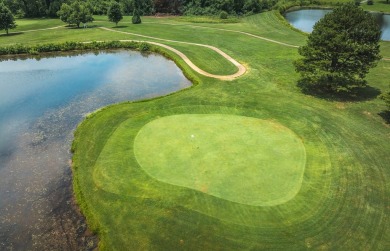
{"type": "Point", "coordinates": [305, 19]}
{"type": "Point", "coordinates": [41, 103]}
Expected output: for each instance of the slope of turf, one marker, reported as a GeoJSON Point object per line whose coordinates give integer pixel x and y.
{"type": "Point", "coordinates": [344, 199]}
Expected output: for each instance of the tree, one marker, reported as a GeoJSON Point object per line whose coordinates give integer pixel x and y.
{"type": "Point", "coordinates": [64, 13]}
{"type": "Point", "coordinates": [114, 13]}
{"type": "Point", "coordinates": [136, 13]}
{"type": "Point", "coordinates": [81, 13]}
{"type": "Point", "coordinates": [342, 48]}
{"type": "Point", "coordinates": [7, 20]}
{"type": "Point", "coordinates": [53, 8]}
{"type": "Point", "coordinates": [252, 6]}
{"type": "Point", "coordinates": [127, 6]}
{"type": "Point", "coordinates": [238, 6]}
{"type": "Point", "coordinates": [76, 13]}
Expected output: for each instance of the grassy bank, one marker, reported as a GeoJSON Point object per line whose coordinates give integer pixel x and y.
{"type": "Point", "coordinates": [342, 203]}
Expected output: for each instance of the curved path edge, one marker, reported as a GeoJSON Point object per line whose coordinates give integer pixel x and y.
{"type": "Point", "coordinates": [241, 69]}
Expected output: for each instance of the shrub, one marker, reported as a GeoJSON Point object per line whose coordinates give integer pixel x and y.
{"type": "Point", "coordinates": [144, 47]}
{"type": "Point", "coordinates": [223, 15]}
{"type": "Point", "coordinates": [136, 19]}
{"type": "Point", "coordinates": [69, 46]}
{"type": "Point", "coordinates": [115, 13]}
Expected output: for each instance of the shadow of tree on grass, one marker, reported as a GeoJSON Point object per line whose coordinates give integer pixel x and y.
{"type": "Point", "coordinates": [89, 26]}
{"type": "Point", "coordinates": [120, 27]}
{"type": "Point", "coordinates": [386, 116]}
{"type": "Point", "coordinates": [358, 94]}
{"type": "Point", "coordinates": [11, 34]}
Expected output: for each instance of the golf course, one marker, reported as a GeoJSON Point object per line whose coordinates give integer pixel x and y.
{"type": "Point", "coordinates": [241, 160]}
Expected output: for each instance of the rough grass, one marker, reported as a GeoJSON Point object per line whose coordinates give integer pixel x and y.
{"type": "Point", "coordinates": [343, 203]}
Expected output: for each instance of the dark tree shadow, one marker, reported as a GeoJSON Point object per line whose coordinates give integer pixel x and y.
{"type": "Point", "coordinates": [120, 27]}
{"type": "Point", "coordinates": [74, 27]}
{"type": "Point", "coordinates": [11, 34]}
{"type": "Point", "coordinates": [386, 116]}
{"type": "Point", "coordinates": [356, 95]}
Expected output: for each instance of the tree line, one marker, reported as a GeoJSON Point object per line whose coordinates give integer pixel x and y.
{"type": "Point", "coordinates": [49, 8]}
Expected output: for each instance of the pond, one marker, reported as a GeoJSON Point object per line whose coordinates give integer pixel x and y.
{"type": "Point", "coordinates": [305, 19]}
{"type": "Point", "coordinates": [41, 103]}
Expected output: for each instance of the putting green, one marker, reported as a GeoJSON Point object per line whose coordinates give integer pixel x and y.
{"type": "Point", "coordinates": [240, 159]}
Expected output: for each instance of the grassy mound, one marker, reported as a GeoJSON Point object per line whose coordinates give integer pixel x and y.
{"type": "Point", "coordinates": [245, 160]}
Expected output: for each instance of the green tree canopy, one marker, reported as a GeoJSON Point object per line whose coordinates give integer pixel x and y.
{"type": "Point", "coordinates": [136, 13]}
{"type": "Point", "coordinates": [114, 12]}
{"type": "Point", "coordinates": [76, 13]}
{"type": "Point", "coordinates": [64, 13]}
{"type": "Point", "coordinates": [41, 8]}
{"type": "Point", "coordinates": [7, 20]}
{"type": "Point", "coordinates": [342, 48]}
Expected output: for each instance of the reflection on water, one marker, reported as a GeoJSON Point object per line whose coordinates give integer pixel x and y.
{"type": "Point", "coordinates": [305, 20]}
{"type": "Point", "coordinates": [384, 22]}
{"type": "Point", "coordinates": [41, 102]}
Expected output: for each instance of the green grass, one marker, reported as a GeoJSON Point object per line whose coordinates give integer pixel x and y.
{"type": "Point", "coordinates": [32, 24]}
{"type": "Point", "coordinates": [380, 6]}
{"type": "Point", "coordinates": [343, 202]}
{"type": "Point", "coordinates": [207, 19]}
{"type": "Point", "coordinates": [251, 161]}
{"type": "Point", "coordinates": [37, 23]}
{"type": "Point", "coordinates": [216, 64]}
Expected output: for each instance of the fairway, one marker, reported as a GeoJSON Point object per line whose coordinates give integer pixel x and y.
{"type": "Point", "coordinates": [241, 159]}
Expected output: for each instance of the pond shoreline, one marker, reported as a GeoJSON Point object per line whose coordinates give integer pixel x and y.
{"type": "Point", "coordinates": [63, 226]}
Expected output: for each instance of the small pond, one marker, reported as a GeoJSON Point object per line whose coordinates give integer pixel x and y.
{"type": "Point", "coordinates": [305, 19]}
{"type": "Point", "coordinates": [41, 103]}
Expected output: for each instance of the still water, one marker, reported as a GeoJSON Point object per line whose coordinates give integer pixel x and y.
{"type": "Point", "coordinates": [305, 19]}
{"type": "Point", "coordinates": [41, 103]}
